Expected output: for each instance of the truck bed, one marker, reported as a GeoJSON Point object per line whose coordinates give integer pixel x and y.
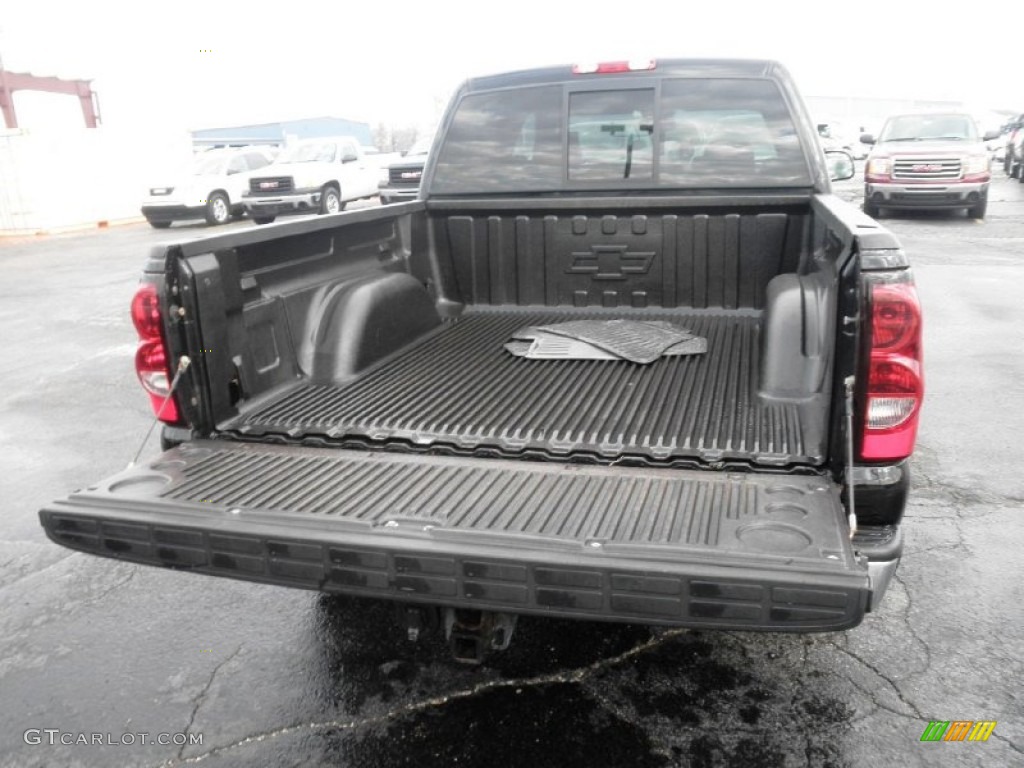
{"type": "Point", "coordinates": [458, 387]}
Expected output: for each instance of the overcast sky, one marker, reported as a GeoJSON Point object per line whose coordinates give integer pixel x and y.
{"type": "Point", "coordinates": [192, 65]}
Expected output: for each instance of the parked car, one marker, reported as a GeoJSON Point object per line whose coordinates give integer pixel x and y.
{"type": "Point", "coordinates": [997, 148]}
{"type": "Point", "coordinates": [833, 136]}
{"type": "Point", "coordinates": [935, 160]}
{"type": "Point", "coordinates": [311, 176]}
{"type": "Point", "coordinates": [403, 179]}
{"type": "Point", "coordinates": [347, 406]}
{"type": "Point", "coordinates": [1011, 153]}
{"type": "Point", "coordinates": [1015, 149]}
{"type": "Point", "coordinates": [210, 189]}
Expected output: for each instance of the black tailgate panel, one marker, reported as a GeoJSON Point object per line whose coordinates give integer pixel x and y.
{"type": "Point", "coordinates": [666, 546]}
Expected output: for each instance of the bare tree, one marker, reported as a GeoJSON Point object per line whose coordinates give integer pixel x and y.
{"type": "Point", "coordinates": [382, 137]}
{"type": "Point", "coordinates": [394, 138]}
{"type": "Point", "coordinates": [402, 137]}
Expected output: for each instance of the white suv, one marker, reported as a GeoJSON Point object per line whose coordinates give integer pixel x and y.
{"type": "Point", "coordinates": [211, 189]}
{"type": "Point", "coordinates": [311, 176]}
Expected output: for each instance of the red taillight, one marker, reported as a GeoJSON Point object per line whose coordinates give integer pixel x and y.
{"type": "Point", "coordinates": [895, 380]}
{"type": "Point", "coordinates": [611, 67]}
{"type": "Point", "coordinates": [895, 317]}
{"type": "Point", "coordinates": [151, 363]}
{"type": "Point", "coordinates": [146, 312]}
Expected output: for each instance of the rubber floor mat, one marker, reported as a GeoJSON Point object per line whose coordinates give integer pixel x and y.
{"type": "Point", "coordinates": [538, 344]}
{"type": "Point", "coordinates": [546, 346]}
{"type": "Point", "coordinates": [698, 345]}
{"type": "Point", "coordinates": [631, 340]}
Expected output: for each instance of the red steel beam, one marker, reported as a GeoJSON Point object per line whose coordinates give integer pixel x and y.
{"type": "Point", "coordinates": [22, 81]}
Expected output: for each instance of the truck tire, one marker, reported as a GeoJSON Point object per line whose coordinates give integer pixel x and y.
{"type": "Point", "coordinates": [978, 211]}
{"type": "Point", "coordinates": [330, 200]}
{"type": "Point", "coordinates": [263, 219]}
{"type": "Point", "coordinates": [159, 224]}
{"type": "Point", "coordinates": [872, 210]}
{"type": "Point", "coordinates": [218, 210]}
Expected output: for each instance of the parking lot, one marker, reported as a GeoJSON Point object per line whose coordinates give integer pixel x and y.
{"type": "Point", "coordinates": [271, 676]}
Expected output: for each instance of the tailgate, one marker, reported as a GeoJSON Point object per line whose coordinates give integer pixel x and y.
{"type": "Point", "coordinates": [683, 547]}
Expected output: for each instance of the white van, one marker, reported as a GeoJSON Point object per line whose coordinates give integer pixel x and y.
{"type": "Point", "coordinates": [210, 189]}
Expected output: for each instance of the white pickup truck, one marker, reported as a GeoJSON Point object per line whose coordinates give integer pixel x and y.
{"type": "Point", "coordinates": [311, 176]}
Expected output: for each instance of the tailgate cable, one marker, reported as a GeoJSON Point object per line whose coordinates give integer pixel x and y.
{"type": "Point", "coordinates": [183, 365]}
{"type": "Point", "coordinates": [849, 381]}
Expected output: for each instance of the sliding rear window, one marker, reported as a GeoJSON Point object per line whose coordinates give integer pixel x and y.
{"type": "Point", "coordinates": [690, 133]}
{"type": "Point", "coordinates": [611, 135]}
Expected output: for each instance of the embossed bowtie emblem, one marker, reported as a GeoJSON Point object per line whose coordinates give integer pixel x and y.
{"type": "Point", "coordinates": [610, 262]}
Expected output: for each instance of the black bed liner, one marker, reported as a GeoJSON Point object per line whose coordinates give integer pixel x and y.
{"type": "Point", "coordinates": [683, 547]}
{"type": "Point", "coordinates": [459, 387]}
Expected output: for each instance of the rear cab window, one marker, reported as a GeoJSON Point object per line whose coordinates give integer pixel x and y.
{"type": "Point", "coordinates": [671, 133]}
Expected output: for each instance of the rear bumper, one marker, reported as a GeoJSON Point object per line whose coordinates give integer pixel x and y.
{"type": "Point", "coordinates": [955, 195]}
{"type": "Point", "coordinates": [883, 548]}
{"type": "Point", "coordinates": [678, 571]}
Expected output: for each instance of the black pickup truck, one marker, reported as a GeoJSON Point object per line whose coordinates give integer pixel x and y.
{"type": "Point", "coordinates": [342, 413]}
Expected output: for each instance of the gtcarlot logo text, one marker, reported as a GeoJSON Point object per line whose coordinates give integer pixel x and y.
{"type": "Point", "coordinates": [55, 736]}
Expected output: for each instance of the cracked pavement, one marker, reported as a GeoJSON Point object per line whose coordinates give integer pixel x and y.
{"type": "Point", "coordinates": [271, 676]}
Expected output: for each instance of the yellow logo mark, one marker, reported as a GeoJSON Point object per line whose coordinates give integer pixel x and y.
{"type": "Point", "coordinates": [982, 730]}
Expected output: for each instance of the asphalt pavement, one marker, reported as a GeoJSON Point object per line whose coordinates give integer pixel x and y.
{"type": "Point", "coordinates": [270, 676]}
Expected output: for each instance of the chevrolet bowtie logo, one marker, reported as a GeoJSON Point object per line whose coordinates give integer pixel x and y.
{"type": "Point", "coordinates": [610, 262]}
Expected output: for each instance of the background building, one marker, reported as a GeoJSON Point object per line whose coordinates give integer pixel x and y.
{"type": "Point", "coordinates": [282, 133]}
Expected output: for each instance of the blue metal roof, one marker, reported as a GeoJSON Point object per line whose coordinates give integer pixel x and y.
{"type": "Point", "coordinates": [277, 133]}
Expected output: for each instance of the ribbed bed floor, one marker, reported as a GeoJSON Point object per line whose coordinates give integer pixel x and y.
{"type": "Point", "coordinates": [459, 387]}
